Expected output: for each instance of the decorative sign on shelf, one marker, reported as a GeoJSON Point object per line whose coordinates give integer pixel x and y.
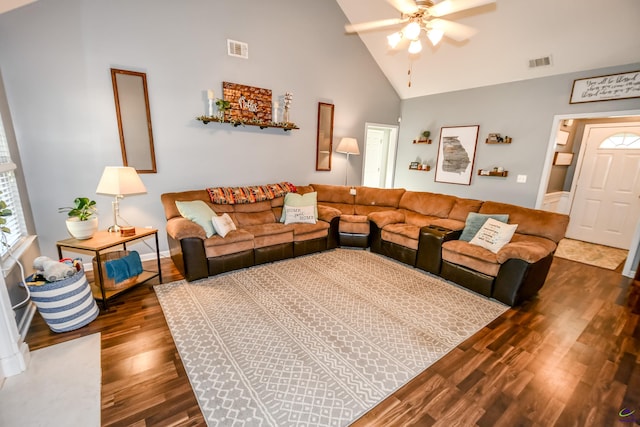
{"type": "Point", "coordinates": [606, 88]}
{"type": "Point", "coordinates": [248, 103]}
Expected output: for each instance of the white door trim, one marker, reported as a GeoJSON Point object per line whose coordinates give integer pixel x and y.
{"type": "Point", "coordinates": [393, 151]}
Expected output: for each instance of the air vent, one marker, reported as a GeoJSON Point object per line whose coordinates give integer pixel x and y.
{"type": "Point", "coordinates": [237, 49]}
{"type": "Point", "coordinates": [540, 62]}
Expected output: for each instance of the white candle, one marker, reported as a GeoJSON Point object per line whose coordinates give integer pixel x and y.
{"type": "Point", "coordinates": [211, 94]}
{"type": "Point", "coordinates": [274, 112]}
{"type": "Point", "coordinates": [210, 106]}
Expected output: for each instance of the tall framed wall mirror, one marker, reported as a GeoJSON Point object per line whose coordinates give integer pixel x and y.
{"type": "Point", "coordinates": [134, 120]}
{"type": "Point", "coordinates": [324, 144]}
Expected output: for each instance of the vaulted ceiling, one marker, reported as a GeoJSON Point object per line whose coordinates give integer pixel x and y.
{"type": "Point", "coordinates": [577, 35]}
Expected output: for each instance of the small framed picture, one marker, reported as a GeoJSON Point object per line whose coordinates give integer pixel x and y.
{"type": "Point", "coordinates": [414, 165]}
{"type": "Point", "coordinates": [562, 159]}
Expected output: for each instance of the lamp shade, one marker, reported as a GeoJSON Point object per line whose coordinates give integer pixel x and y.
{"type": "Point", "coordinates": [120, 181]}
{"type": "Point", "coordinates": [348, 146]}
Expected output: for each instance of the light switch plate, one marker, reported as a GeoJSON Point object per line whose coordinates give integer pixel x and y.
{"type": "Point", "coordinates": [352, 191]}
{"type": "Point", "coordinates": [521, 179]}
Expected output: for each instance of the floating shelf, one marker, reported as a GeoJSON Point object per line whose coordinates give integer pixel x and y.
{"type": "Point", "coordinates": [422, 141]}
{"type": "Point", "coordinates": [502, 174]}
{"type": "Point", "coordinates": [285, 126]}
{"type": "Point", "coordinates": [420, 170]}
{"type": "Point", "coordinates": [505, 140]}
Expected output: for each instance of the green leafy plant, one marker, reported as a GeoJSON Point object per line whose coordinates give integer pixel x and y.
{"type": "Point", "coordinates": [4, 211]}
{"type": "Point", "coordinates": [83, 209]}
{"type": "Point", "coordinates": [222, 104]}
{"type": "Point", "coordinates": [426, 134]}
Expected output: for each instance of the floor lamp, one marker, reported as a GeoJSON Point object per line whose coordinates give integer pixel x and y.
{"type": "Point", "coordinates": [348, 146]}
{"type": "Point", "coordinates": [119, 181]}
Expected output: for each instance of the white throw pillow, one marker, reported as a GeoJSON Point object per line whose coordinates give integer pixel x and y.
{"type": "Point", "coordinates": [223, 224]}
{"type": "Point", "coordinates": [302, 214]}
{"type": "Point", "coordinates": [298, 200]}
{"type": "Point", "coordinates": [493, 235]}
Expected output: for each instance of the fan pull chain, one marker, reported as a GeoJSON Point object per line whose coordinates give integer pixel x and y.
{"type": "Point", "coordinates": [409, 73]}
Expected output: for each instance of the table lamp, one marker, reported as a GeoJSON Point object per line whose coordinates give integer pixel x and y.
{"type": "Point", "coordinates": [119, 181]}
{"type": "Point", "coordinates": [348, 146]}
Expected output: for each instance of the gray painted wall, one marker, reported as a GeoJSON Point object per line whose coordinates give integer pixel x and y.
{"type": "Point", "coordinates": [55, 56]}
{"type": "Point", "coordinates": [522, 110]}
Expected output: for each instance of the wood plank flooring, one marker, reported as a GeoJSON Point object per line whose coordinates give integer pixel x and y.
{"type": "Point", "coordinates": [570, 357]}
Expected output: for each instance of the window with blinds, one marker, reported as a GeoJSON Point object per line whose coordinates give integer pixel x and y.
{"type": "Point", "coordinates": [9, 194]}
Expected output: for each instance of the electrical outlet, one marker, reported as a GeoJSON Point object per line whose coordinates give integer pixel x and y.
{"type": "Point", "coordinates": [352, 191]}
{"type": "Point", "coordinates": [521, 179]}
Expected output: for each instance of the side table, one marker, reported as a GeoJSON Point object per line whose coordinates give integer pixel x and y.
{"type": "Point", "coordinates": [101, 242]}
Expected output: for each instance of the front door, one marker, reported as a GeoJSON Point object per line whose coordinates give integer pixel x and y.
{"type": "Point", "coordinates": [606, 204]}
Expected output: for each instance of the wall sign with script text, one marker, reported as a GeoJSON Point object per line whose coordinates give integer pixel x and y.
{"type": "Point", "coordinates": [606, 88]}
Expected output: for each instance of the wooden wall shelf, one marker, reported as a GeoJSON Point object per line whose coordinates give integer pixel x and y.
{"type": "Point", "coordinates": [422, 141]}
{"type": "Point", "coordinates": [502, 174]}
{"type": "Point", "coordinates": [285, 126]}
{"type": "Point", "coordinates": [420, 170]}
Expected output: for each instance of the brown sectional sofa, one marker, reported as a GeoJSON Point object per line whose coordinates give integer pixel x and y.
{"type": "Point", "coordinates": [418, 228]}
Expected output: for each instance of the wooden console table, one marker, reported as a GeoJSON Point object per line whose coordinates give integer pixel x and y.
{"type": "Point", "coordinates": [102, 242]}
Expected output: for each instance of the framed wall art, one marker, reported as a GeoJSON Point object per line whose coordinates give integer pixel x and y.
{"type": "Point", "coordinates": [248, 103]}
{"type": "Point", "coordinates": [456, 154]}
{"type": "Point", "coordinates": [562, 159]}
{"type": "Point", "coordinates": [606, 88]}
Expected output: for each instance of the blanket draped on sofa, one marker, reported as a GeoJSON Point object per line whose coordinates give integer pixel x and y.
{"type": "Point", "coordinates": [252, 194]}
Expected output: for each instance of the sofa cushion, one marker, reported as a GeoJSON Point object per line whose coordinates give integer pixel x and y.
{"type": "Point", "coordinates": [462, 208]}
{"type": "Point", "coordinates": [300, 200]}
{"type": "Point", "coordinates": [493, 235]}
{"type": "Point", "coordinates": [198, 212]}
{"type": "Point", "coordinates": [270, 234]}
{"type": "Point", "coordinates": [451, 224]}
{"type": "Point", "coordinates": [303, 232]}
{"type": "Point", "coordinates": [402, 234]}
{"type": "Point", "coordinates": [223, 224]}
{"type": "Point", "coordinates": [475, 221]}
{"type": "Point", "coordinates": [431, 204]}
{"type": "Point", "coordinates": [235, 241]}
{"type": "Point", "coordinates": [354, 224]}
{"type": "Point", "coordinates": [526, 247]}
{"type": "Point", "coordinates": [386, 217]}
{"type": "Point", "coordinates": [471, 256]}
{"type": "Point", "coordinates": [418, 219]}
{"type": "Point", "coordinates": [334, 194]}
{"type": "Point", "coordinates": [385, 197]}
{"type": "Point", "coordinates": [535, 222]}
{"type": "Point", "coordinates": [246, 219]}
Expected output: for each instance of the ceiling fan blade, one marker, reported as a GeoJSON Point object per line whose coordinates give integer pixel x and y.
{"type": "Point", "coordinates": [453, 30]}
{"type": "Point", "coordinates": [374, 25]}
{"type": "Point", "coordinates": [405, 6]}
{"type": "Point", "coordinates": [447, 7]}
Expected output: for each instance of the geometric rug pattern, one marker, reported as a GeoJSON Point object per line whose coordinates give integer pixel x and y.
{"type": "Point", "coordinates": [314, 340]}
{"type": "Point", "coordinates": [591, 253]}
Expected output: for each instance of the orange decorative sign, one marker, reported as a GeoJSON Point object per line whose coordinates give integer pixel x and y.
{"type": "Point", "coordinates": [248, 103]}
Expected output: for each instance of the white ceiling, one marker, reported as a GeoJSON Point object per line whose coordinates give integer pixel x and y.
{"type": "Point", "coordinates": [579, 35]}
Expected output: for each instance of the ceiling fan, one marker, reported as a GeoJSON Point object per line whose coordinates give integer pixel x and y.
{"type": "Point", "coordinates": [423, 15]}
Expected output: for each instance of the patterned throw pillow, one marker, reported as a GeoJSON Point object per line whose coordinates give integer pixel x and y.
{"type": "Point", "coordinates": [493, 235]}
{"type": "Point", "coordinates": [299, 200]}
{"type": "Point", "coordinates": [299, 215]}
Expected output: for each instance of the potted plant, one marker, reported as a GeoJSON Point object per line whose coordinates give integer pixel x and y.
{"type": "Point", "coordinates": [425, 135]}
{"type": "Point", "coordinates": [83, 220]}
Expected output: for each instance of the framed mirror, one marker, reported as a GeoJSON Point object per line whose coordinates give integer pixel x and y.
{"type": "Point", "coordinates": [134, 120]}
{"type": "Point", "coordinates": [325, 137]}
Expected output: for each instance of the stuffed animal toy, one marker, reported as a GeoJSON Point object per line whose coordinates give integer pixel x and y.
{"type": "Point", "coordinates": [53, 270]}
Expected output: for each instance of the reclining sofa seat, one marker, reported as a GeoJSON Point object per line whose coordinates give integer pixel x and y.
{"type": "Point", "coordinates": [354, 210]}
{"type": "Point", "coordinates": [259, 237]}
{"type": "Point", "coordinates": [405, 234]}
{"type": "Point", "coordinates": [518, 270]}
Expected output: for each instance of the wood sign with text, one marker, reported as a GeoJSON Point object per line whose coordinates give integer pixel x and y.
{"type": "Point", "coordinates": [248, 103]}
{"type": "Point", "coordinates": [606, 88]}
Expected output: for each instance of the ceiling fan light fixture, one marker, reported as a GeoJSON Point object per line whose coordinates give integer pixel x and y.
{"type": "Point", "coordinates": [435, 35]}
{"type": "Point", "coordinates": [415, 47]}
{"type": "Point", "coordinates": [394, 39]}
{"type": "Point", "coordinates": [412, 30]}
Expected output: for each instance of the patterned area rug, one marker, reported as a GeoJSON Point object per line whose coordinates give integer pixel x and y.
{"type": "Point", "coordinates": [315, 340]}
{"type": "Point", "coordinates": [592, 254]}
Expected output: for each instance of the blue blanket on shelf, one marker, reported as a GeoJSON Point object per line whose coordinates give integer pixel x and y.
{"type": "Point", "coordinates": [123, 268]}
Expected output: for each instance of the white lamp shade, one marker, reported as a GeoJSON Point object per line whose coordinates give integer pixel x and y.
{"type": "Point", "coordinates": [120, 181]}
{"type": "Point", "coordinates": [348, 146]}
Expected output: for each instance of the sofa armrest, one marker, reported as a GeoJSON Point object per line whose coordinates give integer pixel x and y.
{"type": "Point", "coordinates": [429, 257]}
{"type": "Point", "coordinates": [527, 251]}
{"type": "Point", "coordinates": [181, 228]}
{"type": "Point", "coordinates": [327, 213]}
{"type": "Point", "coordinates": [383, 218]}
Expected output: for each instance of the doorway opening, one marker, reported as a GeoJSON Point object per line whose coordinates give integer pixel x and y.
{"type": "Point", "coordinates": [379, 163]}
{"type": "Point", "coordinates": [559, 183]}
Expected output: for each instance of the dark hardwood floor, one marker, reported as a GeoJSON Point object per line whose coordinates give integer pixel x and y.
{"type": "Point", "coordinates": [570, 357]}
